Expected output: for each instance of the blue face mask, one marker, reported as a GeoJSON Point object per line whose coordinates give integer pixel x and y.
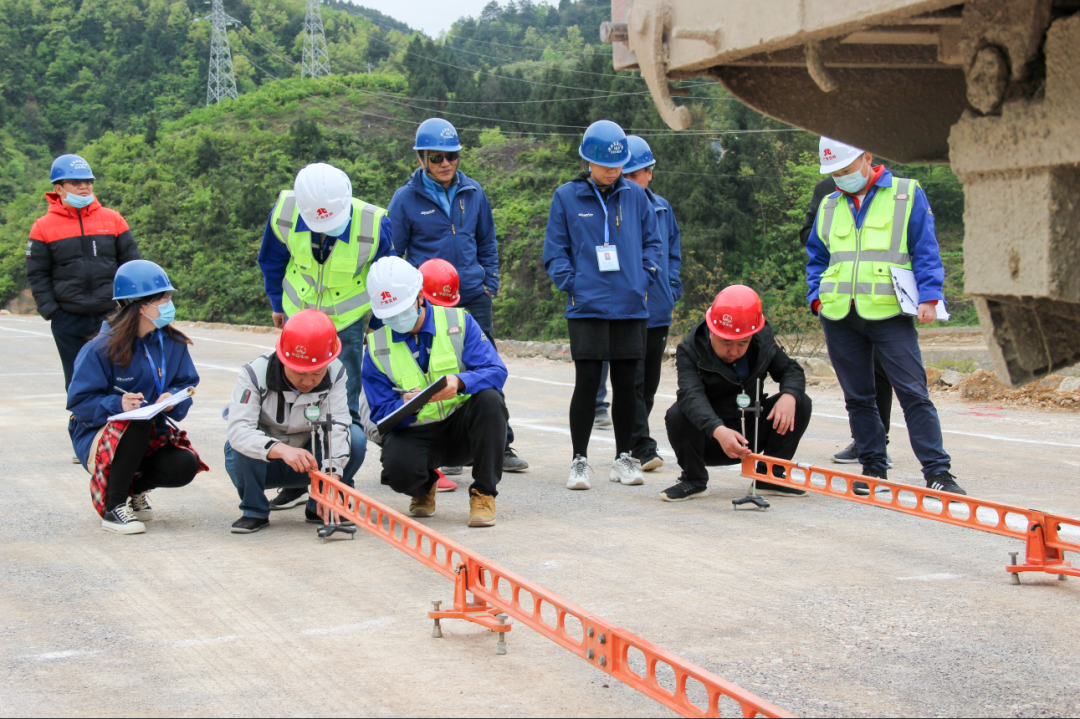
{"type": "Point", "coordinates": [340, 229]}
{"type": "Point", "coordinates": [78, 200]}
{"type": "Point", "coordinates": [403, 322]}
{"type": "Point", "coordinates": [851, 183]}
{"type": "Point", "coordinates": [168, 314]}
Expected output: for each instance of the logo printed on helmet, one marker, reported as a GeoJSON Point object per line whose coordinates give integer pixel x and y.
{"type": "Point", "coordinates": [615, 148]}
{"type": "Point", "coordinates": [828, 154]}
{"type": "Point", "coordinates": [726, 319]}
{"type": "Point", "coordinates": [300, 351]}
{"type": "Point", "coordinates": [79, 164]}
{"type": "Point", "coordinates": [446, 289]}
{"type": "Point", "coordinates": [323, 214]}
{"type": "Point", "coordinates": [387, 297]}
{"type": "Point", "coordinates": [447, 133]}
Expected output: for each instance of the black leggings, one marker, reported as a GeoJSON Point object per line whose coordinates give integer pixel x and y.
{"type": "Point", "coordinates": [169, 466]}
{"type": "Point", "coordinates": [623, 402]}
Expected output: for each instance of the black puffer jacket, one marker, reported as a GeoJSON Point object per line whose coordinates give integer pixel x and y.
{"type": "Point", "coordinates": [708, 387]}
{"type": "Point", "coordinates": [72, 257]}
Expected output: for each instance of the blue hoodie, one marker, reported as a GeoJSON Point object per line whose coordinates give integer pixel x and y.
{"type": "Point", "coordinates": [464, 237]}
{"type": "Point", "coordinates": [575, 229]}
{"type": "Point", "coordinates": [664, 294]}
{"type": "Point", "coordinates": [94, 394]}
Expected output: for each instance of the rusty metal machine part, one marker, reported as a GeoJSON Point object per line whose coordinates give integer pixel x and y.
{"type": "Point", "coordinates": [992, 86]}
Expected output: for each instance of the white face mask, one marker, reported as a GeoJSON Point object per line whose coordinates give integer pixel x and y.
{"type": "Point", "coordinates": [403, 322]}
{"type": "Point", "coordinates": [852, 182]}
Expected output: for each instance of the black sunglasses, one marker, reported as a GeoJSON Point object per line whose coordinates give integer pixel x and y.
{"type": "Point", "coordinates": [448, 156]}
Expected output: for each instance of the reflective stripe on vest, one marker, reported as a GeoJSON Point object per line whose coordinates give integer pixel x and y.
{"type": "Point", "coordinates": [862, 275]}
{"type": "Point", "coordinates": [449, 326]}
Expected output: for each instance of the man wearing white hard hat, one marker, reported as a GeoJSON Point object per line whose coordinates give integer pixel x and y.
{"type": "Point", "coordinates": [317, 249]}
{"type": "Point", "coordinates": [873, 228]}
{"type": "Point", "coordinates": [464, 423]}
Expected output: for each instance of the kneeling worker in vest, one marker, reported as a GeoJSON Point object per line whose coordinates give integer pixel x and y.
{"type": "Point", "coordinates": [724, 359]}
{"type": "Point", "coordinates": [464, 423]}
{"type": "Point", "coordinates": [269, 436]}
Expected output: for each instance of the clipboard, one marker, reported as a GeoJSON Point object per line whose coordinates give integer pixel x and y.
{"type": "Point", "coordinates": [907, 293]}
{"type": "Point", "coordinates": [411, 407]}
{"type": "Point", "coordinates": [153, 410]}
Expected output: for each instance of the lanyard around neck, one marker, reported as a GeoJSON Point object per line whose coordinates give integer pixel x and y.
{"type": "Point", "coordinates": [603, 205]}
{"type": "Point", "coordinates": [158, 373]}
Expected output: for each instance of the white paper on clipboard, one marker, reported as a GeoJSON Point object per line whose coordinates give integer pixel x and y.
{"type": "Point", "coordinates": [907, 293]}
{"type": "Point", "coordinates": [153, 410]}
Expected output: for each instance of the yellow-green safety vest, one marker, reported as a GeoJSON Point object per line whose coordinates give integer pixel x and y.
{"type": "Point", "coordinates": [445, 359]}
{"type": "Point", "coordinates": [859, 259]}
{"type": "Point", "coordinates": [337, 287]}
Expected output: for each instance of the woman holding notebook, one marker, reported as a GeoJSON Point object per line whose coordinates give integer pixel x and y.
{"type": "Point", "coordinates": [136, 359]}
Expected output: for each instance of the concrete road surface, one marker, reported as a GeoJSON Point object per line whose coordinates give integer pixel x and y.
{"type": "Point", "coordinates": [821, 606]}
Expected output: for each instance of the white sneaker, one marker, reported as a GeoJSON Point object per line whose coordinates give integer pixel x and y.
{"type": "Point", "coordinates": [140, 506]}
{"type": "Point", "coordinates": [122, 520]}
{"type": "Point", "coordinates": [624, 469]}
{"type": "Point", "coordinates": [579, 474]}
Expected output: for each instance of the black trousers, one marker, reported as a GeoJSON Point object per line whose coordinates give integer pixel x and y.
{"type": "Point", "coordinates": [475, 434]}
{"type": "Point", "coordinates": [624, 402]}
{"type": "Point", "coordinates": [695, 450]}
{"type": "Point", "coordinates": [70, 332]}
{"type": "Point", "coordinates": [648, 379]}
{"type": "Point", "coordinates": [884, 394]}
{"type": "Point", "coordinates": [169, 466]}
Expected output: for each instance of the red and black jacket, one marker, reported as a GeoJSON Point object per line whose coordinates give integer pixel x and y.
{"type": "Point", "coordinates": [72, 257]}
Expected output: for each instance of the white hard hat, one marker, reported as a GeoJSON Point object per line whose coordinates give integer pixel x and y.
{"type": "Point", "coordinates": [324, 196]}
{"type": "Point", "coordinates": [835, 155]}
{"type": "Point", "coordinates": [392, 284]}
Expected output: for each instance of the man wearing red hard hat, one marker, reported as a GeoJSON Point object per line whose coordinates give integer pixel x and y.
{"type": "Point", "coordinates": [726, 356]}
{"type": "Point", "coordinates": [269, 435]}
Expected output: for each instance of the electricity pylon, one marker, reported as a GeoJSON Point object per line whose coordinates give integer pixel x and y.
{"type": "Point", "coordinates": [316, 61]}
{"type": "Point", "coordinates": [220, 82]}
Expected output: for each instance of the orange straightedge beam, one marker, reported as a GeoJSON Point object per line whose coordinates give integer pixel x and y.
{"type": "Point", "coordinates": [1045, 547]}
{"type": "Point", "coordinates": [497, 591]}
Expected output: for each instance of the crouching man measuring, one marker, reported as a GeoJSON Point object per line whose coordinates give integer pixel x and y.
{"type": "Point", "coordinates": [722, 365]}
{"type": "Point", "coordinates": [270, 433]}
{"type": "Point", "coordinates": [463, 423]}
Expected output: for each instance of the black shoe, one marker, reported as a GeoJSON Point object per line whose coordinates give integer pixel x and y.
{"type": "Point", "coordinates": [451, 471]}
{"type": "Point", "coordinates": [289, 497]}
{"type": "Point", "coordinates": [512, 462]}
{"type": "Point", "coordinates": [862, 488]}
{"type": "Point", "coordinates": [847, 456]}
{"type": "Point", "coordinates": [247, 525]}
{"type": "Point", "coordinates": [684, 491]}
{"type": "Point", "coordinates": [602, 419]}
{"type": "Point", "coordinates": [313, 518]}
{"type": "Point", "coordinates": [944, 482]}
{"type": "Point", "coordinates": [779, 490]}
{"type": "Point", "coordinates": [650, 462]}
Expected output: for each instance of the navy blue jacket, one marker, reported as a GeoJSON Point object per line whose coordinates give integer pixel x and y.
{"type": "Point", "coordinates": [664, 294]}
{"type": "Point", "coordinates": [575, 229]}
{"type": "Point", "coordinates": [274, 254]}
{"type": "Point", "coordinates": [465, 238]}
{"type": "Point", "coordinates": [94, 394]}
{"type": "Point", "coordinates": [922, 244]}
{"type": "Point", "coordinates": [484, 369]}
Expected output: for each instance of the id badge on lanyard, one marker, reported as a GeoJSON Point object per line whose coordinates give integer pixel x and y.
{"type": "Point", "coordinates": [158, 373]}
{"type": "Point", "coordinates": [607, 256]}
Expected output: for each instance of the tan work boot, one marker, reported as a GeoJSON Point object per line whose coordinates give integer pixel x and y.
{"type": "Point", "coordinates": [424, 506]}
{"type": "Point", "coordinates": [481, 509]}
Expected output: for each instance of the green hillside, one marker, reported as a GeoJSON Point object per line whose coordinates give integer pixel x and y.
{"type": "Point", "coordinates": [123, 83]}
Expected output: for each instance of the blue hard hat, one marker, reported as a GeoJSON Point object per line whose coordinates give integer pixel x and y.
{"type": "Point", "coordinates": [640, 154]}
{"type": "Point", "coordinates": [604, 144]}
{"type": "Point", "coordinates": [70, 167]}
{"type": "Point", "coordinates": [140, 278]}
{"type": "Point", "coordinates": [437, 134]}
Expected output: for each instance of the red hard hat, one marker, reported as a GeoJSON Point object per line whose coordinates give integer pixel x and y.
{"type": "Point", "coordinates": [440, 283]}
{"type": "Point", "coordinates": [309, 342]}
{"type": "Point", "coordinates": [735, 313]}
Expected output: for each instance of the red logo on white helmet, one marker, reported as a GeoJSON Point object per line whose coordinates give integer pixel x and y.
{"type": "Point", "coordinates": [323, 214]}
{"type": "Point", "coordinates": [387, 298]}
{"type": "Point", "coordinates": [828, 154]}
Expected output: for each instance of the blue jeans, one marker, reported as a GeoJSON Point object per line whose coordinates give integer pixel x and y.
{"type": "Point", "coordinates": [252, 477]}
{"type": "Point", "coordinates": [852, 343]}
{"type": "Point", "coordinates": [481, 311]}
{"type": "Point", "coordinates": [352, 356]}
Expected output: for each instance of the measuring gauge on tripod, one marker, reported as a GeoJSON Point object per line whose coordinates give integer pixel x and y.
{"type": "Point", "coordinates": [312, 412]}
{"type": "Point", "coordinates": [743, 400]}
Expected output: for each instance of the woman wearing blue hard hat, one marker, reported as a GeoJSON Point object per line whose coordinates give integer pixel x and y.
{"type": "Point", "coordinates": [138, 359]}
{"type": "Point", "coordinates": [74, 250]}
{"type": "Point", "coordinates": [602, 247]}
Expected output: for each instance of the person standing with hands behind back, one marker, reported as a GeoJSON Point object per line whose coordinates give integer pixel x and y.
{"type": "Point", "coordinates": [602, 247]}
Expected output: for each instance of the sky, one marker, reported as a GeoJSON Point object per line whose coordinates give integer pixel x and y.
{"type": "Point", "coordinates": [430, 16]}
